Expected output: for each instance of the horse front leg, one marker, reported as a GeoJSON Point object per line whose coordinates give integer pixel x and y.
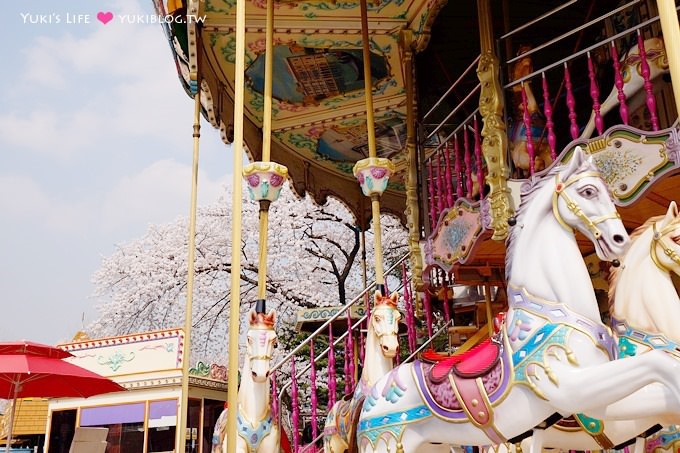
{"type": "Point", "coordinates": [537, 439]}
{"type": "Point", "coordinates": [571, 389]}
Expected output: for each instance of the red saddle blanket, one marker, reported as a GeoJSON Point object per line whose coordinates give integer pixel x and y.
{"type": "Point", "coordinates": [470, 364]}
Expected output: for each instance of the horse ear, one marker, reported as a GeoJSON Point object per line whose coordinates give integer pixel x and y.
{"type": "Point", "coordinates": [252, 316]}
{"type": "Point", "coordinates": [394, 297]}
{"type": "Point", "coordinates": [272, 315]}
{"type": "Point", "coordinates": [577, 159]}
{"type": "Point", "coordinates": [671, 214]}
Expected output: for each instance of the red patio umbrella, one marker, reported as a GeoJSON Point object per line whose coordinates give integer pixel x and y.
{"type": "Point", "coordinates": [30, 369]}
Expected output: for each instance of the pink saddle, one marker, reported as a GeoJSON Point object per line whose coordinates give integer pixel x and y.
{"type": "Point", "coordinates": [471, 364]}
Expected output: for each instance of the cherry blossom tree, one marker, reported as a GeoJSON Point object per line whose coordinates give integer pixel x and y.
{"type": "Point", "coordinates": [312, 261]}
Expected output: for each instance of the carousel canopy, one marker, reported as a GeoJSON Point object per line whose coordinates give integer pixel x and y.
{"type": "Point", "coordinates": [319, 114]}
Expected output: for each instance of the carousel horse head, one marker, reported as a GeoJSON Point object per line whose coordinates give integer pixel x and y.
{"type": "Point", "coordinates": [665, 247]}
{"type": "Point", "coordinates": [385, 323]}
{"type": "Point", "coordinates": [261, 341]}
{"type": "Point", "coordinates": [582, 201]}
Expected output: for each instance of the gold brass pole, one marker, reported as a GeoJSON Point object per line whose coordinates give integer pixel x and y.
{"type": "Point", "coordinates": [266, 149]}
{"type": "Point", "coordinates": [237, 213]}
{"type": "Point", "coordinates": [188, 310]}
{"type": "Point", "coordinates": [489, 312]}
{"type": "Point", "coordinates": [268, 65]}
{"type": "Point", "coordinates": [671, 38]}
{"type": "Point", "coordinates": [368, 82]}
{"type": "Point", "coordinates": [370, 125]}
{"type": "Point", "coordinates": [412, 210]}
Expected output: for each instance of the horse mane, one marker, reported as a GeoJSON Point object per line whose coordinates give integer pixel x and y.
{"type": "Point", "coordinates": [615, 271]}
{"type": "Point", "coordinates": [528, 193]}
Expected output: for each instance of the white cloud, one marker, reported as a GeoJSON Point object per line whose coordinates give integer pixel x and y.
{"type": "Point", "coordinates": [26, 200]}
{"type": "Point", "coordinates": [159, 193]}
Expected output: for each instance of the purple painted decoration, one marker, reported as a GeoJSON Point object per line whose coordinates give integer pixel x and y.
{"type": "Point", "coordinates": [362, 343]}
{"type": "Point", "coordinates": [549, 124]}
{"type": "Point", "coordinates": [649, 88]}
{"type": "Point", "coordinates": [457, 167]}
{"type": "Point", "coordinates": [526, 119]}
{"type": "Point", "coordinates": [430, 188]}
{"type": "Point", "coordinates": [595, 96]}
{"type": "Point", "coordinates": [571, 103]}
{"type": "Point", "coordinates": [467, 158]}
{"type": "Point", "coordinates": [618, 82]}
{"type": "Point", "coordinates": [332, 384]}
{"type": "Point", "coordinates": [350, 352]}
{"type": "Point", "coordinates": [478, 158]}
{"type": "Point", "coordinates": [449, 179]}
{"type": "Point", "coordinates": [296, 407]}
{"type": "Point", "coordinates": [313, 397]}
{"type": "Point", "coordinates": [275, 397]}
{"type": "Point", "coordinates": [441, 184]}
{"type": "Point", "coordinates": [428, 312]}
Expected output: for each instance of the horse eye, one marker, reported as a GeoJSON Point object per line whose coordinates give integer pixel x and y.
{"type": "Point", "coordinates": [378, 318]}
{"type": "Point", "coordinates": [588, 192]}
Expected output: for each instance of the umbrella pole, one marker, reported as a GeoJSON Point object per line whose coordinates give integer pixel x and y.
{"type": "Point", "coordinates": [11, 417]}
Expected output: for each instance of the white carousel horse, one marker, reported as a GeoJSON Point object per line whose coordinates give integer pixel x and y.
{"type": "Point", "coordinates": [382, 345]}
{"type": "Point", "coordinates": [553, 356]}
{"type": "Point", "coordinates": [256, 426]}
{"type": "Point", "coordinates": [645, 307]}
{"type": "Point", "coordinates": [645, 311]}
{"type": "Point", "coordinates": [632, 78]}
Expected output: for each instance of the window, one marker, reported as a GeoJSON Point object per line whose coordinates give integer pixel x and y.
{"type": "Point", "coordinates": [125, 423]}
{"type": "Point", "coordinates": [62, 428]}
{"type": "Point", "coordinates": [162, 426]}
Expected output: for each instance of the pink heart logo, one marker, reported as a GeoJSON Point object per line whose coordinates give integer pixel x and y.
{"type": "Point", "coordinates": [105, 17]}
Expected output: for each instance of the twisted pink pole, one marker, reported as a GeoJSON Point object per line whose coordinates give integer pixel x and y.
{"type": "Point", "coordinates": [408, 304]}
{"type": "Point", "coordinates": [275, 397]}
{"type": "Point", "coordinates": [571, 103]}
{"type": "Point", "coordinates": [549, 124]}
{"type": "Point", "coordinates": [595, 96]}
{"type": "Point", "coordinates": [526, 119]}
{"type": "Point", "coordinates": [332, 384]}
{"type": "Point", "coordinates": [478, 158]}
{"type": "Point", "coordinates": [430, 188]}
{"type": "Point", "coordinates": [618, 82]}
{"type": "Point", "coordinates": [428, 312]}
{"type": "Point", "coordinates": [296, 407]}
{"type": "Point", "coordinates": [649, 88]}
{"type": "Point", "coordinates": [350, 352]}
{"type": "Point", "coordinates": [467, 158]}
{"type": "Point", "coordinates": [345, 367]}
{"type": "Point", "coordinates": [449, 179]}
{"type": "Point", "coordinates": [457, 167]}
{"type": "Point", "coordinates": [441, 184]}
{"type": "Point", "coordinates": [312, 389]}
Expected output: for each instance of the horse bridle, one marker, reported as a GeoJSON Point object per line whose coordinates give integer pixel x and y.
{"type": "Point", "coordinates": [591, 224]}
{"type": "Point", "coordinates": [658, 238]}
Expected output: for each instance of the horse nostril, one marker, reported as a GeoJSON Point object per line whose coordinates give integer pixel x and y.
{"type": "Point", "coordinates": [254, 374]}
{"type": "Point", "coordinates": [385, 348]}
{"type": "Point", "coordinates": [618, 239]}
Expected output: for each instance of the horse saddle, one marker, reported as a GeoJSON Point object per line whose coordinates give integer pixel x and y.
{"type": "Point", "coordinates": [466, 385]}
{"type": "Point", "coordinates": [471, 364]}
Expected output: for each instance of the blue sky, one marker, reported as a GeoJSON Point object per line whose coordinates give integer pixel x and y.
{"type": "Point", "coordinates": [95, 145]}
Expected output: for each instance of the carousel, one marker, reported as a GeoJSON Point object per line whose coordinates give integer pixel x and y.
{"type": "Point", "coordinates": [531, 149]}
